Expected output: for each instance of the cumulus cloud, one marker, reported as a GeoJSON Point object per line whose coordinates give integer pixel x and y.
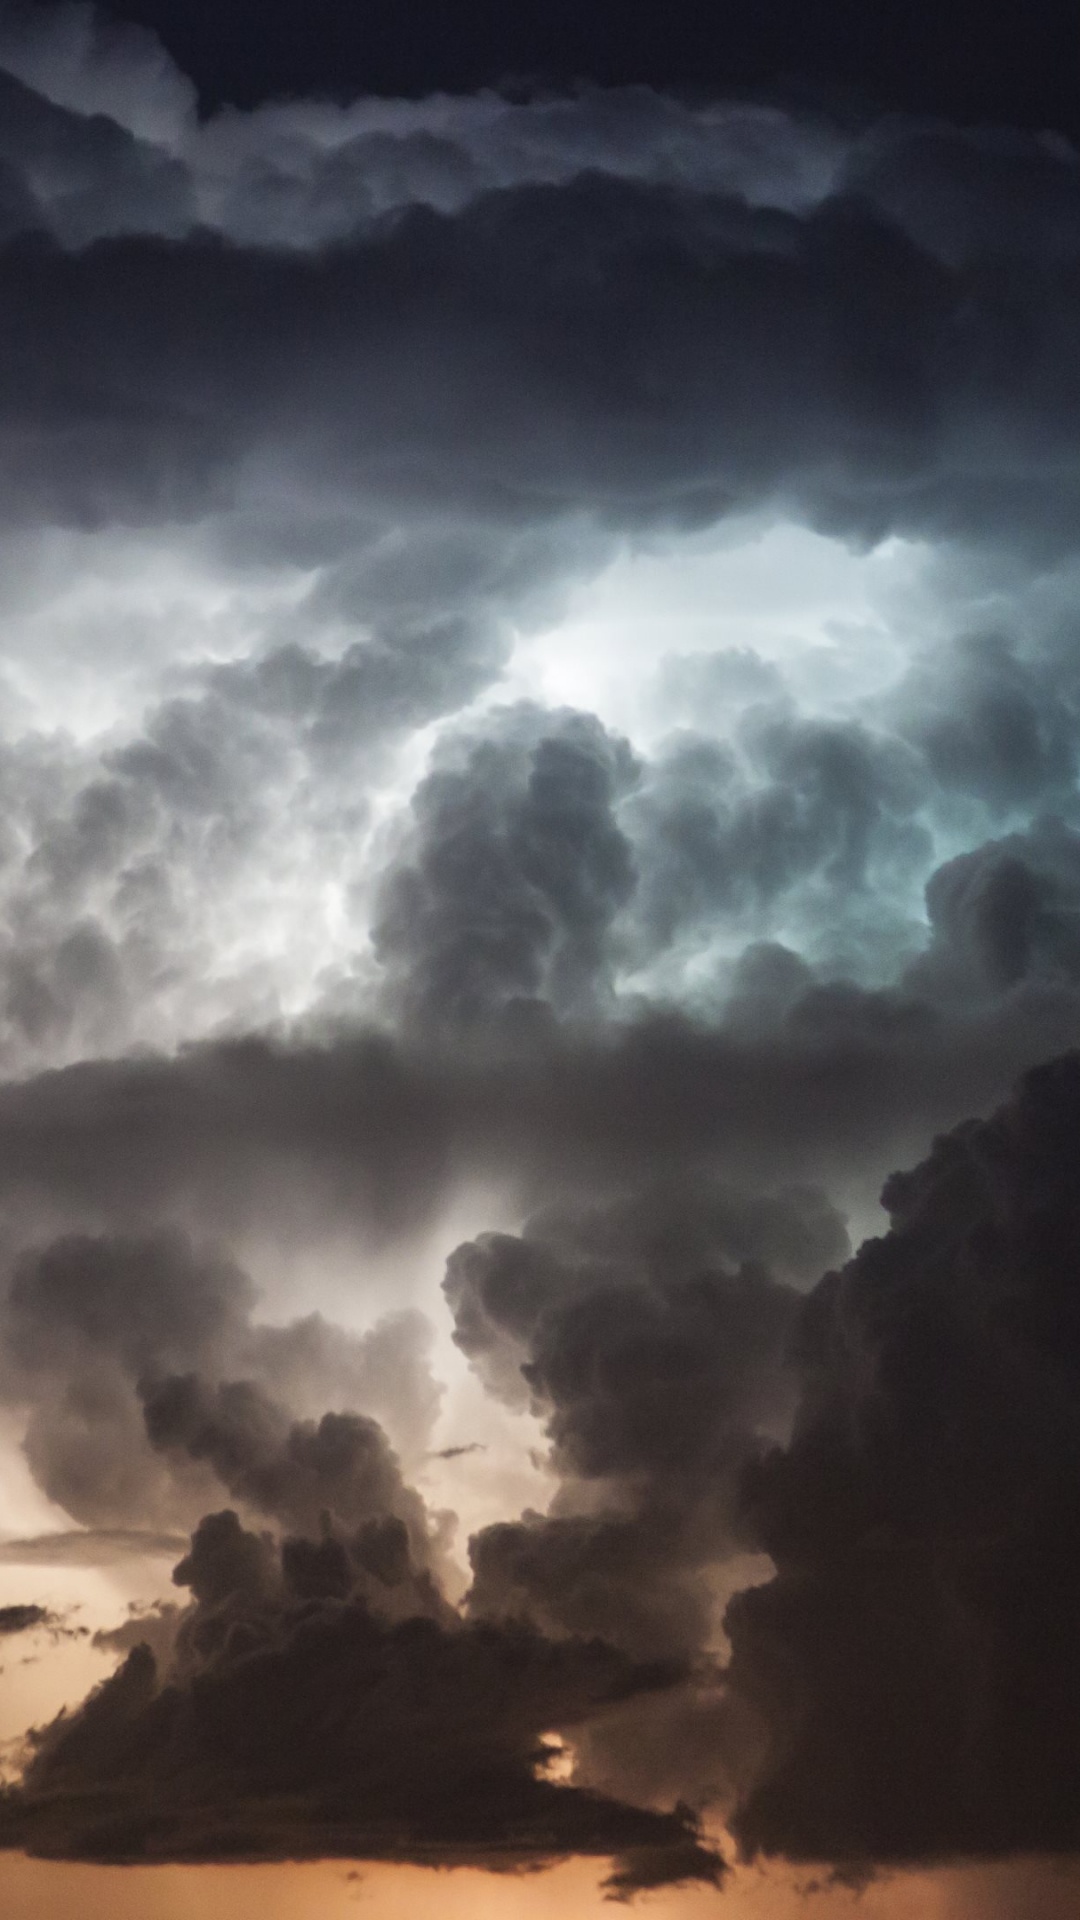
{"type": "Point", "coordinates": [913, 1661]}
{"type": "Point", "coordinates": [448, 419]}
{"type": "Point", "coordinates": [303, 1474]}
{"type": "Point", "coordinates": [518, 871]}
{"type": "Point", "coordinates": [324, 926]}
{"type": "Point", "coordinates": [242, 1750]}
{"type": "Point", "coordinates": [657, 1364]}
{"type": "Point", "coordinates": [96, 1331]}
{"type": "Point", "coordinates": [1003, 914]}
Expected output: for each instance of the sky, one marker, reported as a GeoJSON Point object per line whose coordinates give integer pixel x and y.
{"type": "Point", "coordinates": [539, 962]}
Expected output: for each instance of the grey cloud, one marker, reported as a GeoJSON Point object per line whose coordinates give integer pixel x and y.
{"type": "Point", "coordinates": [640, 1581]}
{"type": "Point", "coordinates": [373, 1135]}
{"type": "Point", "coordinates": [299, 177]}
{"type": "Point", "coordinates": [888, 377]}
{"type": "Point", "coordinates": [502, 1286]}
{"type": "Point", "coordinates": [913, 1662]}
{"type": "Point", "coordinates": [420, 365]}
{"type": "Point", "coordinates": [87, 1320]}
{"type": "Point", "coordinates": [766, 986]}
{"type": "Point", "coordinates": [517, 872]}
{"type": "Point", "coordinates": [90, 1547]}
{"type": "Point", "coordinates": [96, 900]}
{"type": "Point", "coordinates": [767, 828]}
{"type": "Point", "coordinates": [657, 1366]}
{"type": "Point", "coordinates": [24, 1618]}
{"type": "Point", "coordinates": [135, 862]}
{"type": "Point", "coordinates": [385, 1371]}
{"type": "Point", "coordinates": [154, 1627]}
{"type": "Point", "coordinates": [1005, 913]}
{"type": "Point", "coordinates": [303, 174]}
{"type": "Point", "coordinates": [292, 1471]}
{"type": "Point", "coordinates": [82, 59]}
{"type": "Point", "coordinates": [147, 1303]}
{"type": "Point", "coordinates": [82, 178]}
{"type": "Point", "coordinates": [992, 724]}
{"type": "Point", "coordinates": [247, 1730]}
{"type": "Point", "coordinates": [970, 192]}
{"type": "Point", "coordinates": [808, 829]}
{"type": "Point", "coordinates": [80, 1322]}
{"type": "Point", "coordinates": [871, 384]}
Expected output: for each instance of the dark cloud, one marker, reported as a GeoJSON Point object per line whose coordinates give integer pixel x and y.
{"type": "Point", "coordinates": [874, 384]}
{"type": "Point", "coordinates": [303, 1474]}
{"type": "Point", "coordinates": [374, 435]}
{"type": "Point", "coordinates": [373, 1135]}
{"type": "Point", "coordinates": [789, 814]}
{"type": "Point", "coordinates": [994, 725]}
{"type": "Point", "coordinates": [103, 1547]}
{"type": "Point", "coordinates": [29, 1617]}
{"type": "Point", "coordinates": [82, 1322]}
{"type": "Point", "coordinates": [154, 1627]}
{"type": "Point", "coordinates": [126, 150]}
{"type": "Point", "coordinates": [242, 1750]}
{"type": "Point", "coordinates": [89, 1324]}
{"type": "Point", "coordinates": [517, 872]}
{"type": "Point", "coordinates": [23, 1619]}
{"type": "Point", "coordinates": [79, 178]}
{"type": "Point", "coordinates": [913, 1663]}
{"type": "Point", "coordinates": [657, 1365]}
{"type": "Point", "coordinates": [966, 192]}
{"type": "Point", "coordinates": [512, 1292]}
{"type": "Point", "coordinates": [1003, 914]}
{"type": "Point", "coordinates": [272, 51]}
{"type": "Point", "coordinates": [379, 384]}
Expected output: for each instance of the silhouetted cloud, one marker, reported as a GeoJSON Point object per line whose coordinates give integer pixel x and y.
{"type": "Point", "coordinates": [242, 1750]}
{"type": "Point", "coordinates": [914, 1661]}
{"type": "Point", "coordinates": [23, 1618]}
{"type": "Point", "coordinates": [90, 1547]}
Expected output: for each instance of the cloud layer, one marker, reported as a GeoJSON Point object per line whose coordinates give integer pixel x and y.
{"type": "Point", "coordinates": [358, 922]}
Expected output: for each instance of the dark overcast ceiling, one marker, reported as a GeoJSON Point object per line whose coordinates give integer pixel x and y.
{"type": "Point", "coordinates": [965, 60]}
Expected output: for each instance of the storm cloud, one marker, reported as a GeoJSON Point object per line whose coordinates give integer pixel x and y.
{"type": "Point", "coordinates": [252, 1715]}
{"type": "Point", "coordinates": [97, 1331]}
{"type": "Point", "coordinates": [540, 736]}
{"type": "Point", "coordinates": [914, 1659]}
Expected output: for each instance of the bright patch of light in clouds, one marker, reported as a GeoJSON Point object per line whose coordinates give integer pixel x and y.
{"type": "Point", "coordinates": [94, 626]}
{"type": "Point", "coordinates": [823, 614]}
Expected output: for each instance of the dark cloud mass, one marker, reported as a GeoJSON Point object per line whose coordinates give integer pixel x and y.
{"type": "Point", "coordinates": [23, 1618]}
{"type": "Point", "coordinates": [876, 382]}
{"type": "Point", "coordinates": [539, 729]}
{"type": "Point", "coordinates": [94, 1333]}
{"type": "Point", "coordinates": [657, 1366]}
{"type": "Point", "coordinates": [915, 1659]}
{"type": "Point", "coordinates": [519, 870]}
{"type": "Point", "coordinates": [295, 1722]}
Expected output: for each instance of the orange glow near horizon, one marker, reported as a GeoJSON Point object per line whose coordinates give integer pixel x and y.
{"type": "Point", "coordinates": [42, 1890]}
